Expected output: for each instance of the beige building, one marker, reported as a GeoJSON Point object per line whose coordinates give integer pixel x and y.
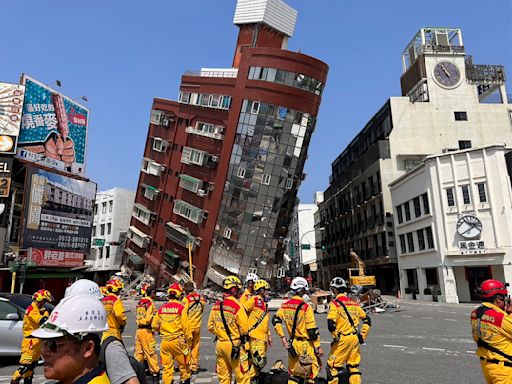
{"type": "Point", "coordinates": [453, 223]}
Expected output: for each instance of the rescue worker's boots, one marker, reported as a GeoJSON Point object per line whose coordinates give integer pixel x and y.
{"type": "Point", "coordinates": [28, 380]}
{"type": "Point", "coordinates": [185, 381]}
{"type": "Point", "coordinates": [154, 379]}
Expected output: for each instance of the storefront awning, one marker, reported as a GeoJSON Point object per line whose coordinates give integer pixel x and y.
{"type": "Point", "coordinates": [136, 259]}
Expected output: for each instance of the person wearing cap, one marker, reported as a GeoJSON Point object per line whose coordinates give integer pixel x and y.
{"type": "Point", "coordinates": [345, 354]}
{"type": "Point", "coordinates": [250, 279]}
{"type": "Point", "coordinates": [116, 360]}
{"type": "Point", "coordinates": [116, 316]}
{"type": "Point", "coordinates": [145, 343]}
{"type": "Point", "coordinates": [172, 324]}
{"type": "Point", "coordinates": [35, 315]}
{"type": "Point", "coordinates": [303, 345]}
{"type": "Point", "coordinates": [259, 330]}
{"type": "Point", "coordinates": [71, 341]}
{"type": "Point", "coordinates": [491, 325]}
{"type": "Point", "coordinates": [228, 322]}
{"type": "Point", "coordinates": [193, 304]}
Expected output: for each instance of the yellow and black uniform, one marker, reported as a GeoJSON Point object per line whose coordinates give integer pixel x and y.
{"type": "Point", "coordinates": [171, 322]}
{"type": "Point", "coordinates": [345, 346]}
{"type": "Point", "coordinates": [303, 364]}
{"type": "Point", "coordinates": [116, 318]}
{"type": "Point", "coordinates": [145, 343]}
{"type": "Point", "coordinates": [237, 323]}
{"type": "Point", "coordinates": [31, 348]}
{"type": "Point", "coordinates": [245, 297]}
{"type": "Point", "coordinates": [493, 331]}
{"type": "Point", "coordinates": [95, 376]}
{"type": "Point", "coordinates": [194, 306]}
{"type": "Point", "coordinates": [259, 333]}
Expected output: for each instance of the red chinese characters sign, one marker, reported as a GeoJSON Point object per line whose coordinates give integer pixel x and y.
{"type": "Point", "coordinates": [56, 258]}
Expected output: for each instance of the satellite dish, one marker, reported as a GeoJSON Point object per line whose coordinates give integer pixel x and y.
{"type": "Point", "coordinates": [2, 208]}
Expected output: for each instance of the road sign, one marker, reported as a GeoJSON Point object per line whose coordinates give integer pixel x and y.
{"type": "Point", "coordinates": [98, 242]}
{"type": "Point", "coordinates": [306, 247]}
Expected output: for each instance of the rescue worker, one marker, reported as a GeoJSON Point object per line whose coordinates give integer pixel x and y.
{"type": "Point", "coordinates": [71, 341]}
{"type": "Point", "coordinates": [259, 330]}
{"type": "Point", "coordinates": [172, 324]}
{"type": "Point", "coordinates": [35, 316]}
{"type": "Point", "coordinates": [345, 350]}
{"type": "Point", "coordinates": [194, 307]}
{"type": "Point", "coordinates": [491, 324]}
{"type": "Point", "coordinates": [84, 287]}
{"type": "Point", "coordinates": [228, 322]}
{"type": "Point", "coordinates": [303, 345]}
{"type": "Point", "coordinates": [249, 291]}
{"type": "Point", "coordinates": [103, 291]}
{"type": "Point", "coordinates": [116, 317]}
{"type": "Point", "coordinates": [145, 343]}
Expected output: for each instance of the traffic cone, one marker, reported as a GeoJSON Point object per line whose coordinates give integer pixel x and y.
{"type": "Point", "coordinates": [398, 294]}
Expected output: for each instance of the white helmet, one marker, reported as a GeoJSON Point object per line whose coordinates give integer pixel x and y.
{"type": "Point", "coordinates": [75, 316]}
{"type": "Point", "coordinates": [338, 283]}
{"type": "Point", "coordinates": [299, 283]}
{"type": "Point", "coordinates": [84, 287]}
{"type": "Point", "coordinates": [251, 277]}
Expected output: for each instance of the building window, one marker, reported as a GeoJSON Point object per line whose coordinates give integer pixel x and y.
{"type": "Point", "coordinates": [102, 230]}
{"type": "Point", "coordinates": [400, 215]}
{"type": "Point", "coordinates": [417, 207]}
{"type": "Point", "coordinates": [461, 116]}
{"type": "Point", "coordinates": [150, 192]}
{"type": "Point", "coordinates": [193, 156]}
{"type": "Point", "coordinates": [464, 144]}
{"type": "Point", "coordinates": [159, 145]}
{"type": "Point", "coordinates": [482, 195]}
{"type": "Point", "coordinates": [410, 242]}
{"type": "Point", "coordinates": [430, 238]}
{"type": "Point", "coordinates": [255, 107]}
{"type": "Point", "coordinates": [100, 253]}
{"type": "Point", "coordinates": [95, 209]}
{"type": "Point", "coordinates": [421, 239]}
{"type": "Point", "coordinates": [110, 205]}
{"type": "Point", "coordinates": [107, 252]}
{"type": "Point", "coordinates": [266, 179]}
{"type": "Point", "coordinates": [240, 172]}
{"type": "Point", "coordinates": [109, 228]}
{"type": "Point", "coordinates": [289, 184]}
{"type": "Point", "coordinates": [227, 233]}
{"type": "Point", "coordinates": [402, 244]}
{"type": "Point", "coordinates": [151, 167]}
{"type": "Point", "coordinates": [449, 197]}
{"type": "Point", "coordinates": [407, 211]}
{"type": "Point", "coordinates": [93, 231]}
{"type": "Point", "coordinates": [142, 214]}
{"type": "Point", "coordinates": [465, 194]}
{"type": "Point", "coordinates": [426, 206]}
{"type": "Point", "coordinates": [188, 211]}
{"type": "Point", "coordinates": [104, 207]}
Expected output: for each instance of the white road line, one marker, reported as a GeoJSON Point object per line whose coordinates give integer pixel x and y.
{"type": "Point", "coordinates": [450, 320]}
{"type": "Point", "coordinates": [127, 336]}
{"type": "Point", "coordinates": [406, 316]}
{"type": "Point", "coordinates": [472, 352]}
{"type": "Point", "coordinates": [427, 318]}
{"type": "Point", "coordinates": [433, 349]}
{"type": "Point", "coordinates": [394, 346]}
{"type": "Point", "coordinates": [206, 337]}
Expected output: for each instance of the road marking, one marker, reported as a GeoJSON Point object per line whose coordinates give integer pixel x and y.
{"type": "Point", "coordinates": [472, 352]}
{"type": "Point", "coordinates": [394, 346]}
{"type": "Point", "coordinates": [427, 318]}
{"type": "Point", "coordinates": [126, 336]}
{"type": "Point", "coordinates": [406, 316]}
{"type": "Point", "coordinates": [206, 337]}
{"type": "Point", "coordinates": [450, 320]}
{"type": "Point", "coordinates": [433, 349]}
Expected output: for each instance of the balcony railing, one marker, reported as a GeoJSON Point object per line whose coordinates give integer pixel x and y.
{"type": "Point", "coordinates": [213, 72]}
{"type": "Point", "coordinates": [212, 135]}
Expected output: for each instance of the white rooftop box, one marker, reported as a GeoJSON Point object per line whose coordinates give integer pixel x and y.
{"type": "Point", "coordinates": [274, 13]}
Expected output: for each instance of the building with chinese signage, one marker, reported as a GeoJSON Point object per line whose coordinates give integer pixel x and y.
{"type": "Point", "coordinates": [448, 103]}
{"type": "Point", "coordinates": [453, 223]}
{"type": "Point", "coordinates": [223, 163]}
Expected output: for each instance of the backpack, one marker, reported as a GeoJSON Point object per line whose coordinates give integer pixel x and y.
{"type": "Point", "coordinates": [137, 366]}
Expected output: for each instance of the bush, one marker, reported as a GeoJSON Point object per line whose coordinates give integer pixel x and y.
{"type": "Point", "coordinates": [427, 291]}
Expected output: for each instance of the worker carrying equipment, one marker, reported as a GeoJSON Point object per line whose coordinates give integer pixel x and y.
{"type": "Point", "coordinates": [145, 343]}
{"type": "Point", "coordinates": [249, 291]}
{"type": "Point", "coordinates": [303, 345]}
{"type": "Point", "coordinates": [228, 322]}
{"type": "Point", "coordinates": [491, 325]}
{"type": "Point", "coordinates": [35, 316]}
{"type": "Point", "coordinates": [193, 304]}
{"type": "Point", "coordinates": [259, 330]}
{"type": "Point", "coordinates": [343, 321]}
{"type": "Point", "coordinates": [116, 316]}
{"type": "Point", "coordinates": [172, 323]}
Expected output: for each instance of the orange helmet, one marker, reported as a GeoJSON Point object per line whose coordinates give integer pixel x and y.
{"type": "Point", "coordinates": [42, 295]}
{"type": "Point", "coordinates": [175, 289]}
{"type": "Point", "coordinates": [491, 287]}
{"type": "Point", "coordinates": [114, 285]}
{"type": "Point", "coordinates": [144, 289]}
{"type": "Point", "coordinates": [104, 291]}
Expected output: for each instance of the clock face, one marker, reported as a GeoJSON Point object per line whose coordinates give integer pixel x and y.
{"type": "Point", "coordinates": [447, 74]}
{"type": "Point", "coordinates": [469, 226]}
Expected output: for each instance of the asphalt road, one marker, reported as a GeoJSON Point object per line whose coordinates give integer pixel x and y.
{"type": "Point", "coordinates": [421, 343]}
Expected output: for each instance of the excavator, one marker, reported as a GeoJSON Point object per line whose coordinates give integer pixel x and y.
{"type": "Point", "coordinates": [357, 275]}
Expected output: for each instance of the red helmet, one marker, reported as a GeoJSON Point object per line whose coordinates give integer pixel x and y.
{"type": "Point", "coordinates": [175, 289]}
{"type": "Point", "coordinates": [491, 287]}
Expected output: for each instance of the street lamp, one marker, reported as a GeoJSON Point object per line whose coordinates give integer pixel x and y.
{"type": "Point", "coordinates": [300, 242]}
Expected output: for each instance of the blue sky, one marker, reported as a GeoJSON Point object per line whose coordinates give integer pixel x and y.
{"type": "Point", "coordinates": [121, 54]}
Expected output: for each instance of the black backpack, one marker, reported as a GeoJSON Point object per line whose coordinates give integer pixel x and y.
{"type": "Point", "coordinates": [137, 366]}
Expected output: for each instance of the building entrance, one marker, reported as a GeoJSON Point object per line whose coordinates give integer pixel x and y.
{"type": "Point", "coordinates": [475, 277]}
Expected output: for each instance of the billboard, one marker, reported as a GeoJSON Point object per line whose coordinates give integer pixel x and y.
{"type": "Point", "coordinates": [53, 129]}
{"type": "Point", "coordinates": [58, 212]}
{"type": "Point", "coordinates": [56, 258]}
{"type": "Point", "coordinates": [11, 106]}
{"type": "Point", "coordinates": [5, 175]}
